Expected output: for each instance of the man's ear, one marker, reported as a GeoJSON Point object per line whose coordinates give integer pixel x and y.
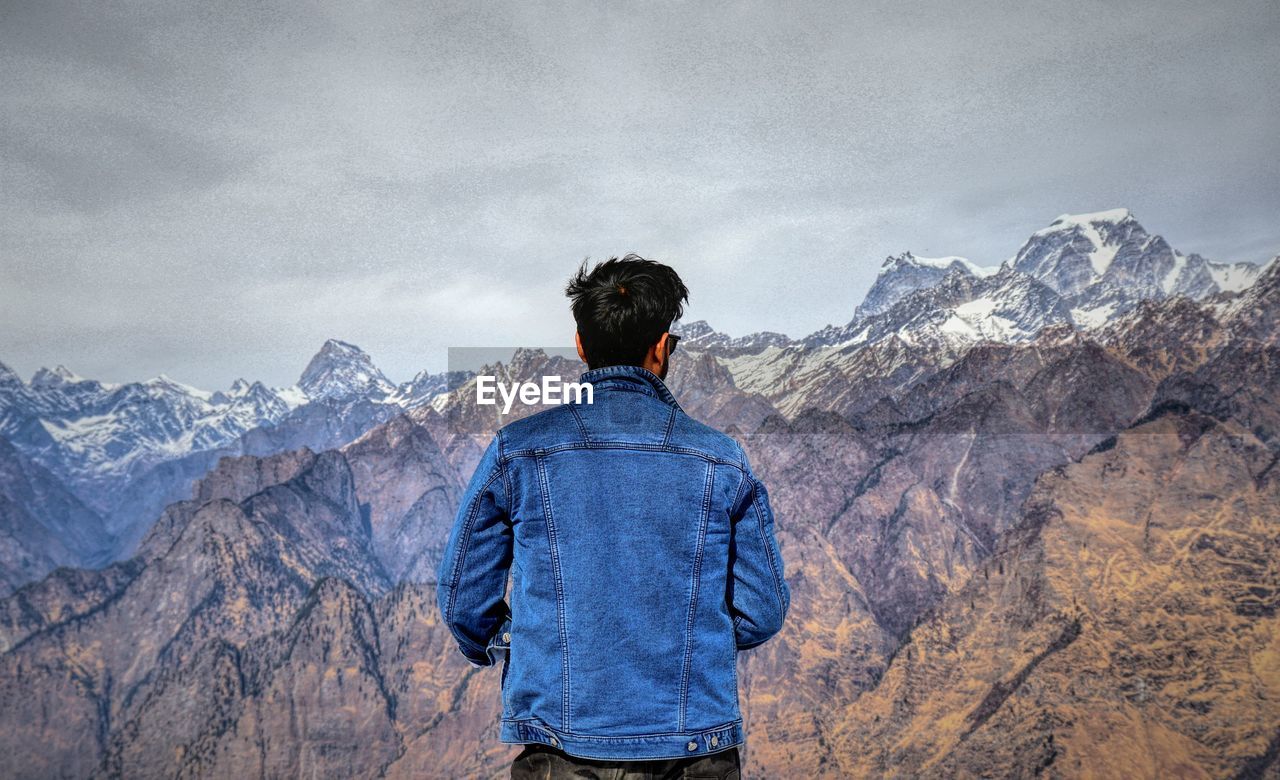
{"type": "Point", "coordinates": [577, 339]}
{"type": "Point", "coordinates": [656, 360]}
{"type": "Point", "coordinates": [660, 348]}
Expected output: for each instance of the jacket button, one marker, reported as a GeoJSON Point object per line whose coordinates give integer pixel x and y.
{"type": "Point", "coordinates": [692, 745]}
{"type": "Point", "coordinates": [506, 636]}
{"type": "Point", "coordinates": [715, 741]}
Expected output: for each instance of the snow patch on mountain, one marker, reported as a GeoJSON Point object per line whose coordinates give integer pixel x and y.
{"type": "Point", "coordinates": [1170, 281]}
{"type": "Point", "coordinates": [900, 275]}
{"type": "Point", "coordinates": [1234, 277]}
{"type": "Point", "coordinates": [941, 263]}
{"type": "Point", "coordinates": [1113, 216]}
{"type": "Point", "coordinates": [341, 370]}
{"type": "Point", "coordinates": [1103, 263]}
{"type": "Point", "coordinates": [61, 375]}
{"type": "Point", "coordinates": [1090, 225]}
{"type": "Point", "coordinates": [165, 384]}
{"type": "Point", "coordinates": [1095, 317]}
{"type": "Point", "coordinates": [700, 335]}
{"type": "Point", "coordinates": [293, 396]}
{"type": "Point", "coordinates": [95, 435]}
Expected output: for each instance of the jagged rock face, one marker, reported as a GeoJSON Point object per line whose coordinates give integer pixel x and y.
{"type": "Point", "coordinates": [706, 391]}
{"type": "Point", "coordinates": [1142, 336]}
{"type": "Point", "coordinates": [961, 309]}
{"type": "Point", "coordinates": [700, 335]}
{"type": "Point", "coordinates": [1255, 313]}
{"type": "Point", "coordinates": [287, 704]}
{"type": "Point", "coordinates": [340, 370]}
{"type": "Point", "coordinates": [96, 437]}
{"type": "Point", "coordinates": [232, 572]}
{"type": "Point", "coordinates": [345, 687]}
{"type": "Point", "coordinates": [1127, 627]}
{"type": "Point", "coordinates": [1104, 263]}
{"type": "Point", "coordinates": [426, 386]}
{"type": "Point", "coordinates": [1047, 553]}
{"type": "Point", "coordinates": [1074, 252]}
{"type": "Point", "coordinates": [62, 596]}
{"type": "Point", "coordinates": [903, 274]}
{"type": "Point", "coordinates": [42, 525]}
{"type": "Point", "coordinates": [1241, 382]}
{"type": "Point", "coordinates": [316, 426]}
{"type": "Point", "coordinates": [126, 451]}
{"type": "Point", "coordinates": [409, 488]}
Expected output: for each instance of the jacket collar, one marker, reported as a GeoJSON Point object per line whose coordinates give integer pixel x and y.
{"type": "Point", "coordinates": [630, 378]}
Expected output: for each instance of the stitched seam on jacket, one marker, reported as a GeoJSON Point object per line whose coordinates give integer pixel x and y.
{"type": "Point", "coordinates": [737, 496]}
{"type": "Point", "coordinates": [726, 726]}
{"type": "Point", "coordinates": [626, 388]}
{"type": "Point", "coordinates": [555, 569]}
{"type": "Point", "coordinates": [685, 669]}
{"type": "Point", "coordinates": [533, 452]}
{"type": "Point", "coordinates": [733, 664]}
{"type": "Point", "coordinates": [768, 549]}
{"type": "Point", "coordinates": [506, 479]}
{"type": "Point", "coordinates": [671, 424]}
{"type": "Point", "coordinates": [582, 427]}
{"type": "Point", "coordinates": [631, 378]}
{"type": "Point", "coordinates": [462, 554]}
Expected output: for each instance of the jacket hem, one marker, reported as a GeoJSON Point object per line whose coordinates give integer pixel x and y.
{"type": "Point", "coordinates": [635, 747]}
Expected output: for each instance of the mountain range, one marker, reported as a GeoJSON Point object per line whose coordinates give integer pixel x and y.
{"type": "Point", "coordinates": [1029, 514]}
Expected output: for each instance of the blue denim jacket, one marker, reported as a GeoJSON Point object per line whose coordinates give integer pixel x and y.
{"type": "Point", "coordinates": [642, 557]}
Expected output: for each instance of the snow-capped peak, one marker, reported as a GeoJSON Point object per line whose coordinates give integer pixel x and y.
{"type": "Point", "coordinates": [1077, 250]}
{"type": "Point", "coordinates": [8, 375]}
{"type": "Point", "coordinates": [61, 375]}
{"type": "Point", "coordinates": [902, 274]}
{"type": "Point", "coordinates": [341, 369]}
{"type": "Point", "coordinates": [693, 330]}
{"type": "Point", "coordinates": [699, 334]}
{"type": "Point", "coordinates": [896, 262]}
{"type": "Point", "coordinates": [1234, 277]}
{"type": "Point", "coordinates": [167, 383]}
{"type": "Point", "coordinates": [1094, 217]}
{"type": "Point", "coordinates": [1100, 228]}
{"type": "Point", "coordinates": [239, 389]}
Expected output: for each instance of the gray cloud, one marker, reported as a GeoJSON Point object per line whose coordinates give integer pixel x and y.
{"type": "Point", "coordinates": [212, 189]}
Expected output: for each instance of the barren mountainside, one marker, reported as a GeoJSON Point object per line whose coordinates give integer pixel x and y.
{"type": "Point", "coordinates": [1021, 541]}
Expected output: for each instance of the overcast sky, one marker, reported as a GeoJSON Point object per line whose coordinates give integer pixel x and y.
{"type": "Point", "coordinates": [212, 189]}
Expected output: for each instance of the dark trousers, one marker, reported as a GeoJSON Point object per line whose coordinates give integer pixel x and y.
{"type": "Point", "coordinates": [547, 763]}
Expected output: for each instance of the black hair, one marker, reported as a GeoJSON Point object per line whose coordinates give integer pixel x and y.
{"type": "Point", "coordinates": [623, 306]}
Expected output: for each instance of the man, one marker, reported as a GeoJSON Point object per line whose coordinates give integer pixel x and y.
{"type": "Point", "coordinates": [642, 555]}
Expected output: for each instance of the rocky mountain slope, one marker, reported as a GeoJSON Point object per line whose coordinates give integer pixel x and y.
{"type": "Point", "coordinates": [903, 274]}
{"type": "Point", "coordinates": [42, 526]}
{"type": "Point", "coordinates": [1126, 626]}
{"type": "Point", "coordinates": [1033, 548]}
{"type": "Point", "coordinates": [126, 451]}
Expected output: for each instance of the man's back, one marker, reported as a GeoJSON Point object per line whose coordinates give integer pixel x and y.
{"type": "Point", "coordinates": [642, 557]}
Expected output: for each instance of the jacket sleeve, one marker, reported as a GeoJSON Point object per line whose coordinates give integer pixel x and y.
{"type": "Point", "coordinates": [758, 593]}
{"type": "Point", "coordinates": [472, 579]}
